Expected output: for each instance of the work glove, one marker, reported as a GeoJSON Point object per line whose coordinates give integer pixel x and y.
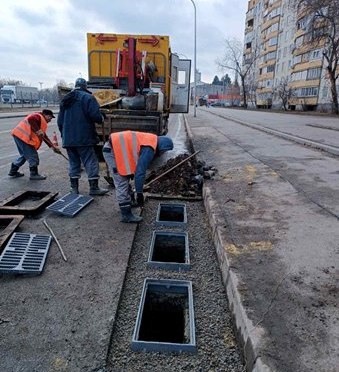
{"type": "Point", "coordinates": [140, 199]}
{"type": "Point", "coordinates": [39, 133]}
{"type": "Point", "coordinates": [57, 150]}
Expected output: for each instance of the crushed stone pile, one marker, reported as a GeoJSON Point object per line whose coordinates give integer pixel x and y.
{"type": "Point", "coordinates": [185, 180]}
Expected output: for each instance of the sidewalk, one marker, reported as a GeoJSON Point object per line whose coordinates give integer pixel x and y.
{"type": "Point", "coordinates": [279, 277]}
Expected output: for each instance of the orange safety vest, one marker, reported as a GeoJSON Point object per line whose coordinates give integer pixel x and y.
{"type": "Point", "coordinates": [24, 131]}
{"type": "Point", "coordinates": [126, 147]}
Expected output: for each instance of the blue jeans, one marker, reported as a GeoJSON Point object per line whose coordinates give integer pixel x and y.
{"type": "Point", "coordinates": [86, 155]}
{"type": "Point", "coordinates": [27, 153]}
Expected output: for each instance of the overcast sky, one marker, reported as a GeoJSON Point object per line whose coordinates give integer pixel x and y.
{"type": "Point", "coordinates": [45, 40]}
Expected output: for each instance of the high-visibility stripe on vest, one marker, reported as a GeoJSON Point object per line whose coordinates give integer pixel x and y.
{"type": "Point", "coordinates": [126, 147]}
{"type": "Point", "coordinates": [24, 131]}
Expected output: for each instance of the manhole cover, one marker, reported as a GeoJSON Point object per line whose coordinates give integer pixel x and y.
{"type": "Point", "coordinates": [25, 254]}
{"type": "Point", "coordinates": [8, 224]}
{"type": "Point", "coordinates": [70, 204]}
{"type": "Point", "coordinates": [27, 202]}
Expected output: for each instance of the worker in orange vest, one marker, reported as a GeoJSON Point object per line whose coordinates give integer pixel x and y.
{"type": "Point", "coordinates": [129, 154]}
{"type": "Point", "coordinates": [28, 136]}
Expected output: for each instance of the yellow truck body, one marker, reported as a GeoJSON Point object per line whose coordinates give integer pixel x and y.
{"type": "Point", "coordinates": [115, 61]}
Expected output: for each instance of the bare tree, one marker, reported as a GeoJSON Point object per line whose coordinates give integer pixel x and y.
{"type": "Point", "coordinates": [284, 92]}
{"type": "Point", "coordinates": [323, 29]}
{"type": "Point", "coordinates": [251, 89]}
{"type": "Point", "coordinates": [233, 60]}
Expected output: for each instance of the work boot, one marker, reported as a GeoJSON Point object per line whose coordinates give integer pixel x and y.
{"type": "Point", "coordinates": [74, 185]}
{"type": "Point", "coordinates": [13, 172]}
{"type": "Point", "coordinates": [95, 189]}
{"type": "Point", "coordinates": [127, 215]}
{"type": "Point", "coordinates": [35, 174]}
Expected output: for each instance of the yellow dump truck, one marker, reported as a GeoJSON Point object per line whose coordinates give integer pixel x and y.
{"type": "Point", "coordinates": [137, 81]}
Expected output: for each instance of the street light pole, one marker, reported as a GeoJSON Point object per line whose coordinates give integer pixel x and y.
{"type": "Point", "coordinates": [195, 58]}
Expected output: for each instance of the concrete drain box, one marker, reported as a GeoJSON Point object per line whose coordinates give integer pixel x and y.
{"type": "Point", "coordinates": [27, 202]}
{"type": "Point", "coordinates": [165, 321]}
{"type": "Point", "coordinates": [8, 224]}
{"type": "Point", "coordinates": [171, 214]}
{"type": "Point", "coordinates": [169, 251]}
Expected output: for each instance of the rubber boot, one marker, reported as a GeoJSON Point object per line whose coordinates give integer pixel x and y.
{"type": "Point", "coordinates": [94, 188]}
{"type": "Point", "coordinates": [35, 174]}
{"type": "Point", "coordinates": [13, 172]}
{"type": "Point", "coordinates": [127, 215]}
{"type": "Point", "coordinates": [74, 186]}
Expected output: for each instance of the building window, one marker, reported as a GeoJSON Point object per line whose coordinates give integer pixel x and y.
{"type": "Point", "coordinates": [307, 92]}
{"type": "Point", "coordinates": [250, 23]}
{"type": "Point", "coordinates": [270, 68]}
{"type": "Point", "coordinates": [315, 54]}
{"type": "Point", "coordinates": [324, 92]}
{"type": "Point", "coordinates": [297, 59]}
{"type": "Point", "coordinates": [313, 73]}
{"type": "Point", "coordinates": [273, 41]}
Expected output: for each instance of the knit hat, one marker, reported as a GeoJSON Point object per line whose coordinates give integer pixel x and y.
{"type": "Point", "coordinates": [164, 144]}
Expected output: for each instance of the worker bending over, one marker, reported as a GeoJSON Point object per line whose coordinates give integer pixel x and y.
{"type": "Point", "coordinates": [129, 154]}
{"type": "Point", "coordinates": [28, 136]}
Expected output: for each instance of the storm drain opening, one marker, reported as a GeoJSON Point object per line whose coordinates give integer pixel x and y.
{"type": "Point", "coordinates": [171, 214]}
{"type": "Point", "coordinates": [8, 224]}
{"type": "Point", "coordinates": [169, 251]}
{"type": "Point", "coordinates": [27, 202]}
{"type": "Point", "coordinates": [165, 321]}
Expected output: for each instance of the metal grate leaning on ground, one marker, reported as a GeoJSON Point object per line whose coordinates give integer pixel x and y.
{"type": "Point", "coordinates": [70, 204]}
{"type": "Point", "coordinates": [25, 254]}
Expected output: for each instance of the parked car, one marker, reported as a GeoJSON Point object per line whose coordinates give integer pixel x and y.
{"type": "Point", "coordinates": [41, 102]}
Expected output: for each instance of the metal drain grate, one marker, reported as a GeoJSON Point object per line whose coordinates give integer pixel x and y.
{"type": "Point", "coordinates": [70, 204]}
{"type": "Point", "coordinates": [25, 254]}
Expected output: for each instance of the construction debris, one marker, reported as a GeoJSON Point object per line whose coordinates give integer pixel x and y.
{"type": "Point", "coordinates": [185, 180]}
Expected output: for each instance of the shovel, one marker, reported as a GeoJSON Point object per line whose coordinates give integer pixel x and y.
{"type": "Point", "coordinates": [108, 177]}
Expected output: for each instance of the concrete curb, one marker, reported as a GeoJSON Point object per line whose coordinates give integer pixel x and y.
{"type": "Point", "coordinates": [249, 335]}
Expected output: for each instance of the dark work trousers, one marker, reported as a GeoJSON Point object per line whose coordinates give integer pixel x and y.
{"type": "Point", "coordinates": [86, 155]}
{"type": "Point", "coordinates": [27, 153]}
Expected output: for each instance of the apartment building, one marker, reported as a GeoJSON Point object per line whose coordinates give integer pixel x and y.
{"type": "Point", "coordinates": [287, 65]}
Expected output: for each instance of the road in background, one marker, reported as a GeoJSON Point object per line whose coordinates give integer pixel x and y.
{"type": "Point", "coordinates": [274, 214]}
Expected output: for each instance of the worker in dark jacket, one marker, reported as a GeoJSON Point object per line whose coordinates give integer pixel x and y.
{"type": "Point", "coordinates": [79, 111]}
{"type": "Point", "coordinates": [129, 154]}
{"type": "Point", "coordinates": [28, 136]}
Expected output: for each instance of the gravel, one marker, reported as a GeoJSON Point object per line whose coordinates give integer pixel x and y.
{"type": "Point", "coordinates": [217, 349]}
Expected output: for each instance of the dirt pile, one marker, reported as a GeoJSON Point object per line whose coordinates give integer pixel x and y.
{"type": "Point", "coordinates": [185, 180]}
